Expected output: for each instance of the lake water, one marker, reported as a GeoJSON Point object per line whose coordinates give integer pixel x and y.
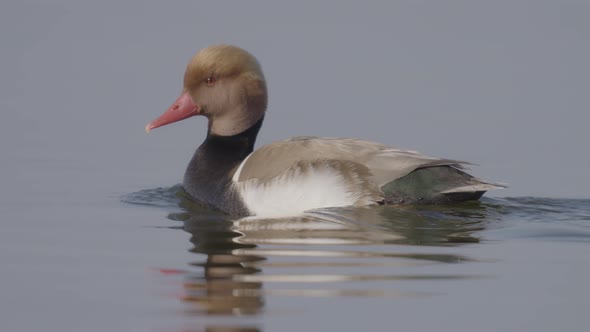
{"type": "Point", "coordinates": [151, 260]}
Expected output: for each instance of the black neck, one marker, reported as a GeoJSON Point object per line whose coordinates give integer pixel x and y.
{"type": "Point", "coordinates": [210, 171]}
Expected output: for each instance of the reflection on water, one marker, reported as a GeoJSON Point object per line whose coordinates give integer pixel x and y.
{"type": "Point", "coordinates": [232, 277]}
{"type": "Point", "coordinates": [350, 252]}
{"type": "Point", "coordinates": [216, 289]}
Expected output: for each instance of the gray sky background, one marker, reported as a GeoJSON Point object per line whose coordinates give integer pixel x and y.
{"type": "Point", "coordinates": [504, 84]}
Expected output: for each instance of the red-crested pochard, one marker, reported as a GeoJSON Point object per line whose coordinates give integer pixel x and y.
{"type": "Point", "coordinates": [225, 84]}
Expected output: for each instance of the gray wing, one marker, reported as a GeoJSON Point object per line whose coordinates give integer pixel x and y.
{"type": "Point", "coordinates": [385, 163]}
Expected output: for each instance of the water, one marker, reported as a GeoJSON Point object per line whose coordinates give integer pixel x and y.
{"type": "Point", "coordinates": [75, 257]}
{"type": "Point", "coordinates": [502, 264]}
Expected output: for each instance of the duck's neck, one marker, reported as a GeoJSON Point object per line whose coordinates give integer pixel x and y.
{"type": "Point", "coordinates": [209, 174]}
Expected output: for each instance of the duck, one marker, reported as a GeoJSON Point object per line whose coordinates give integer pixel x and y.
{"type": "Point", "coordinates": [226, 85]}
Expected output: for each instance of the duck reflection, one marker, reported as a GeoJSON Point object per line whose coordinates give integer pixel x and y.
{"type": "Point", "coordinates": [436, 225]}
{"type": "Point", "coordinates": [245, 260]}
{"type": "Point", "coordinates": [216, 290]}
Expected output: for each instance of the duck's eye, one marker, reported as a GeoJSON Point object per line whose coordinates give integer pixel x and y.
{"type": "Point", "coordinates": [211, 80]}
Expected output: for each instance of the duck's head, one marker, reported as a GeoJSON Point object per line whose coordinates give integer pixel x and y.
{"type": "Point", "coordinates": [224, 83]}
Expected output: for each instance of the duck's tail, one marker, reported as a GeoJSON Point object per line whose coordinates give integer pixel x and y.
{"type": "Point", "coordinates": [437, 184]}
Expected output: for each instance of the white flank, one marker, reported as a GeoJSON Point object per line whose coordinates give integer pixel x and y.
{"type": "Point", "coordinates": [295, 192]}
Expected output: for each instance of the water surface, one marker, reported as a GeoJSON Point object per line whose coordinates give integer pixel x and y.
{"type": "Point", "coordinates": [77, 256]}
{"type": "Point", "coordinates": [350, 268]}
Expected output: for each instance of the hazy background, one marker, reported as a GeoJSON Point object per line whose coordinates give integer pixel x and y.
{"type": "Point", "coordinates": [504, 84]}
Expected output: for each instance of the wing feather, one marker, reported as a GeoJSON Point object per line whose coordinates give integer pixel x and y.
{"type": "Point", "coordinates": [385, 163]}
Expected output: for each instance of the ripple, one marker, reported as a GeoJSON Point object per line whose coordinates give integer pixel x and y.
{"type": "Point", "coordinates": [167, 197]}
{"type": "Point", "coordinates": [545, 218]}
{"type": "Point", "coordinates": [439, 258]}
{"type": "Point", "coordinates": [316, 278]}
